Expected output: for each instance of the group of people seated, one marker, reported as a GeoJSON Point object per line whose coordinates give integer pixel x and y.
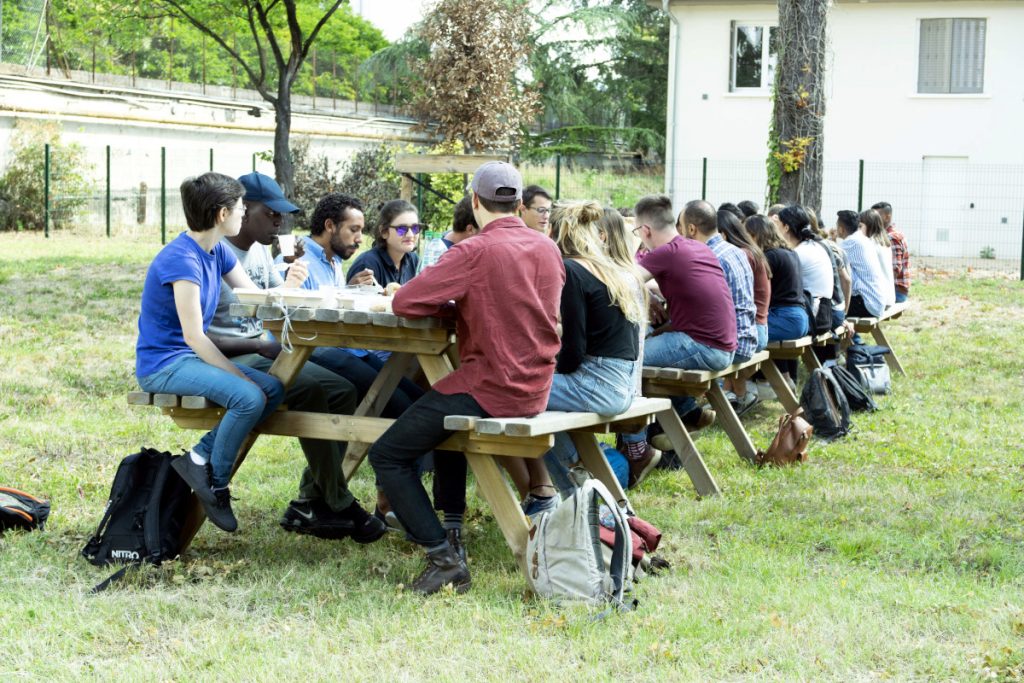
{"type": "Point", "coordinates": [555, 309]}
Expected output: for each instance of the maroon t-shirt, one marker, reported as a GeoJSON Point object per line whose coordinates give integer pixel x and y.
{"type": "Point", "coordinates": [762, 287]}
{"type": "Point", "coordinates": [693, 283]}
{"type": "Point", "coordinates": [507, 287]}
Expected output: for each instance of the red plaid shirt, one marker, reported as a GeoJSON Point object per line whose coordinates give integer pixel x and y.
{"type": "Point", "coordinates": [900, 259]}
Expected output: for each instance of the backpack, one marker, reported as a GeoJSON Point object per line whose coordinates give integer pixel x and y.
{"type": "Point", "coordinates": [867, 363]}
{"type": "Point", "coordinates": [851, 386]}
{"type": "Point", "coordinates": [564, 559]}
{"type": "Point", "coordinates": [20, 510]}
{"type": "Point", "coordinates": [821, 321]}
{"type": "Point", "coordinates": [825, 405]}
{"type": "Point", "coordinates": [144, 517]}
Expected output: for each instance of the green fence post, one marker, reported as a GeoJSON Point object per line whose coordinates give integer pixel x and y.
{"type": "Point", "coordinates": [211, 159]}
{"type": "Point", "coordinates": [860, 186]}
{"type": "Point", "coordinates": [254, 162]}
{"type": "Point", "coordinates": [558, 176]}
{"type": "Point", "coordinates": [163, 195]}
{"type": "Point", "coordinates": [704, 180]}
{"type": "Point", "coordinates": [108, 190]}
{"type": "Point", "coordinates": [46, 190]}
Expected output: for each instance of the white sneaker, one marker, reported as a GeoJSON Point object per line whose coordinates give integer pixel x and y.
{"type": "Point", "coordinates": [765, 391]}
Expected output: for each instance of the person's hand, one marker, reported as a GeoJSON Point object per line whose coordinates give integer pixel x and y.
{"type": "Point", "coordinates": [297, 273]}
{"type": "Point", "coordinates": [656, 312]}
{"type": "Point", "coordinates": [850, 331]}
{"type": "Point", "coordinates": [363, 277]}
{"type": "Point", "coordinates": [269, 349]}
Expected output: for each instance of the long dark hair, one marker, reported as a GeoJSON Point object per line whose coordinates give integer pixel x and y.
{"type": "Point", "coordinates": [388, 212]}
{"type": "Point", "coordinates": [762, 232]}
{"type": "Point", "coordinates": [736, 235]}
{"type": "Point", "coordinates": [796, 219]}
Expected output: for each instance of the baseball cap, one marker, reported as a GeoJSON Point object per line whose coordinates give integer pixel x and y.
{"type": "Point", "coordinates": [263, 188]}
{"type": "Point", "coordinates": [498, 181]}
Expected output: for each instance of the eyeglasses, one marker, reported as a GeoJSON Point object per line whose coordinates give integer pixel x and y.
{"type": "Point", "coordinates": [637, 229]}
{"type": "Point", "coordinates": [403, 230]}
{"type": "Point", "coordinates": [542, 210]}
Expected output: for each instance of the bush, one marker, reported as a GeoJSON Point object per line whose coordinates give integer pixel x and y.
{"type": "Point", "coordinates": [22, 186]}
{"type": "Point", "coordinates": [315, 176]}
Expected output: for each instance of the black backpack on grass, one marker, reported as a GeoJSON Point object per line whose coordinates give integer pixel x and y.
{"type": "Point", "coordinates": [144, 517]}
{"type": "Point", "coordinates": [855, 395]}
{"type": "Point", "coordinates": [825, 405]}
{"type": "Point", "coordinates": [20, 510]}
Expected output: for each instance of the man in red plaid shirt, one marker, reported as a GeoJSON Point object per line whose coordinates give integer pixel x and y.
{"type": "Point", "coordinates": [900, 252]}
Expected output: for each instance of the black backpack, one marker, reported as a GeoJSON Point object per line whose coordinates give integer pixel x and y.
{"type": "Point", "coordinates": [825, 405]}
{"type": "Point", "coordinates": [851, 386]}
{"type": "Point", "coordinates": [144, 517]}
{"type": "Point", "coordinates": [20, 510]}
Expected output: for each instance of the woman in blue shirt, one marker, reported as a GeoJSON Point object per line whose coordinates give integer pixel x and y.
{"type": "Point", "coordinates": [173, 354]}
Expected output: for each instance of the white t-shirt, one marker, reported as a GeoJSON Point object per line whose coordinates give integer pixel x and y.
{"type": "Point", "coordinates": [815, 269]}
{"type": "Point", "coordinates": [260, 267]}
{"type": "Point", "coordinates": [885, 262]}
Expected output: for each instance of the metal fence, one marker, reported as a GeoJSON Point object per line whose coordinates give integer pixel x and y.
{"type": "Point", "coordinates": [956, 215]}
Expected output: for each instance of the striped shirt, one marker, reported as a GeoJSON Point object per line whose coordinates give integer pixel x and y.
{"type": "Point", "coordinates": [868, 280]}
{"type": "Point", "coordinates": [740, 279]}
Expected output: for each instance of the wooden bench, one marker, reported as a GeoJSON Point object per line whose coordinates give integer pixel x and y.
{"type": "Point", "coordinates": [676, 382]}
{"type": "Point", "coordinates": [873, 325]}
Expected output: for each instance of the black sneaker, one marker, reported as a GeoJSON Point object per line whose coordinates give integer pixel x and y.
{"type": "Point", "coordinates": [220, 512]}
{"type": "Point", "coordinates": [444, 568]}
{"type": "Point", "coordinates": [316, 519]}
{"type": "Point", "coordinates": [455, 541]}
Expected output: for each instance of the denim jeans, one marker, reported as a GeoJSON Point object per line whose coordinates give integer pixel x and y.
{"type": "Point", "coordinates": [901, 296]}
{"type": "Point", "coordinates": [762, 337]}
{"type": "Point", "coordinates": [787, 322]}
{"type": "Point", "coordinates": [246, 404]}
{"type": "Point", "coordinates": [318, 390]}
{"type": "Point", "coordinates": [679, 350]}
{"type": "Point", "coordinates": [395, 455]}
{"type": "Point", "coordinates": [361, 373]}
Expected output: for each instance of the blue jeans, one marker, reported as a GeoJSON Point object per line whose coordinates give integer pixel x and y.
{"type": "Point", "coordinates": [246, 404]}
{"type": "Point", "coordinates": [395, 455]}
{"type": "Point", "coordinates": [787, 322]}
{"type": "Point", "coordinates": [901, 297]}
{"type": "Point", "coordinates": [762, 337]}
{"type": "Point", "coordinates": [679, 350]}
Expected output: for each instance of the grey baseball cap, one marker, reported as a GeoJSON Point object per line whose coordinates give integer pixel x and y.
{"type": "Point", "coordinates": [498, 181]}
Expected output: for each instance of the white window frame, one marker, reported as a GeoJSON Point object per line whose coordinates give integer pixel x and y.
{"type": "Point", "coordinates": [984, 70]}
{"type": "Point", "coordinates": [766, 27]}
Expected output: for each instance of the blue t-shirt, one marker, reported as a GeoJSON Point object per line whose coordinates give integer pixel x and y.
{"type": "Point", "coordinates": [161, 340]}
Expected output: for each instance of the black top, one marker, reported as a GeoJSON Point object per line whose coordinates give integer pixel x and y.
{"type": "Point", "coordinates": [787, 285]}
{"type": "Point", "coordinates": [379, 261]}
{"type": "Point", "coordinates": [591, 326]}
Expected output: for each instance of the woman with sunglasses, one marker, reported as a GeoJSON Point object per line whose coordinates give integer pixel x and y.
{"type": "Point", "coordinates": [392, 259]}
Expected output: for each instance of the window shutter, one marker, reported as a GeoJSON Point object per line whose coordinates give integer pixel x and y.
{"type": "Point", "coordinates": [967, 71]}
{"type": "Point", "coordinates": [934, 57]}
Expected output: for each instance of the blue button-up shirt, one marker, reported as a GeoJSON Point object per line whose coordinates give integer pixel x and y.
{"type": "Point", "coordinates": [322, 272]}
{"type": "Point", "coordinates": [740, 278]}
{"type": "Point", "coordinates": [865, 271]}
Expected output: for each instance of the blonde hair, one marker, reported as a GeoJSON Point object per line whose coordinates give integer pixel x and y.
{"type": "Point", "coordinates": [576, 227]}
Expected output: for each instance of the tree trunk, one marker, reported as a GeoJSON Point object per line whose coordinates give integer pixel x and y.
{"type": "Point", "coordinates": [799, 113]}
{"type": "Point", "coordinates": [284, 170]}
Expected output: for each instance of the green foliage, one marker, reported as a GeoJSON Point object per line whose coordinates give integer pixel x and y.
{"type": "Point", "coordinates": [22, 186]}
{"type": "Point", "coordinates": [437, 213]}
{"type": "Point", "coordinates": [315, 175]}
{"type": "Point", "coordinates": [987, 252]}
{"type": "Point", "coordinates": [369, 176]}
{"type": "Point", "coordinates": [572, 140]}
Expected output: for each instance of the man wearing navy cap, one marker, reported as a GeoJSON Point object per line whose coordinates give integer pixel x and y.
{"type": "Point", "coordinates": [506, 284]}
{"type": "Point", "coordinates": [325, 508]}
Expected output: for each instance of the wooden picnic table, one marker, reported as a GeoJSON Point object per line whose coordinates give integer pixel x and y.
{"type": "Point", "coordinates": [431, 343]}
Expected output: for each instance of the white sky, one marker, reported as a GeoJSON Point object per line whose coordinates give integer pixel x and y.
{"type": "Point", "coordinates": [392, 17]}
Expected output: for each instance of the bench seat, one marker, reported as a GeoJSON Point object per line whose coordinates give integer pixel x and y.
{"type": "Point", "coordinates": [553, 421]}
{"type": "Point", "coordinates": [702, 376]}
{"type": "Point", "coordinates": [144, 398]}
{"type": "Point", "coordinates": [872, 325]}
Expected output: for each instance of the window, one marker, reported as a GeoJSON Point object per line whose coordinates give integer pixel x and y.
{"type": "Point", "coordinates": [753, 57]}
{"type": "Point", "coordinates": [952, 56]}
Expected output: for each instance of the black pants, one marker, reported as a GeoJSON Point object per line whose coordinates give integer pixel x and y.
{"type": "Point", "coordinates": [395, 455]}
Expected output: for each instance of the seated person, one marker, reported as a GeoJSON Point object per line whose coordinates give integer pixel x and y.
{"type": "Point", "coordinates": [900, 252]}
{"type": "Point", "coordinates": [463, 226]}
{"type": "Point", "coordinates": [875, 230]}
{"type": "Point", "coordinates": [324, 508]}
{"type": "Point", "coordinates": [867, 279]}
{"type": "Point", "coordinates": [174, 355]}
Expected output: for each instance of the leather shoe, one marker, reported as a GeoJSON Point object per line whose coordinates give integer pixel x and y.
{"type": "Point", "coordinates": [639, 468]}
{"type": "Point", "coordinates": [444, 568]}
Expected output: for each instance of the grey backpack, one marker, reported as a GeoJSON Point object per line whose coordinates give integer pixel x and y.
{"type": "Point", "coordinates": [564, 558]}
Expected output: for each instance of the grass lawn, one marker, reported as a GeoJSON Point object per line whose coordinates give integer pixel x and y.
{"type": "Point", "coordinates": [896, 553]}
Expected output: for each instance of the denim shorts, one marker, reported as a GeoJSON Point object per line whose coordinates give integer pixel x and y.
{"type": "Point", "coordinates": [599, 385]}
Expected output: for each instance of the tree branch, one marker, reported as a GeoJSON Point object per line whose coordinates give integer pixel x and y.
{"type": "Point", "coordinates": [316, 29]}
{"type": "Point", "coordinates": [268, 30]}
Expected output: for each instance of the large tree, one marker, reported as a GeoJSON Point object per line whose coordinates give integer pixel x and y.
{"type": "Point", "coordinates": [796, 142]}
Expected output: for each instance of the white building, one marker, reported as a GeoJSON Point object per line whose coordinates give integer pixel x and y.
{"type": "Point", "coordinates": [929, 94]}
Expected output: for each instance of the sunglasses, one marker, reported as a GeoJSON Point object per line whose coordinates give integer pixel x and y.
{"type": "Point", "coordinates": [403, 230]}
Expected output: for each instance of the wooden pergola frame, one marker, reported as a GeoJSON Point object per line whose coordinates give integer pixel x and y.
{"type": "Point", "coordinates": [408, 164]}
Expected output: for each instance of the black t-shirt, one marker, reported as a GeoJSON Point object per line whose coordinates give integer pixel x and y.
{"type": "Point", "coordinates": [787, 285]}
{"type": "Point", "coordinates": [591, 326]}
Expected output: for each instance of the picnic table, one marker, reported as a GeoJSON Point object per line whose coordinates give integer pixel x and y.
{"type": "Point", "coordinates": [432, 344]}
{"type": "Point", "coordinates": [874, 326]}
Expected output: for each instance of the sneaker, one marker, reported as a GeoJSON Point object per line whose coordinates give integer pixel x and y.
{"type": "Point", "coordinates": [765, 391]}
{"type": "Point", "coordinates": [745, 403]}
{"type": "Point", "coordinates": [316, 519]}
{"type": "Point", "coordinates": [698, 419]}
{"type": "Point", "coordinates": [662, 443]}
{"type": "Point", "coordinates": [216, 504]}
{"type": "Point", "coordinates": [730, 396]}
{"type": "Point", "coordinates": [534, 505]}
{"type": "Point", "coordinates": [641, 467]}
{"type": "Point", "coordinates": [220, 512]}
{"type": "Point", "coordinates": [455, 541]}
{"type": "Point", "coordinates": [444, 568]}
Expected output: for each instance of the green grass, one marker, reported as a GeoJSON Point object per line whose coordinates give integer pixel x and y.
{"type": "Point", "coordinates": [896, 553]}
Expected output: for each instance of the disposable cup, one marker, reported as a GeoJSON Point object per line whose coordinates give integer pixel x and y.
{"type": "Point", "coordinates": [287, 245]}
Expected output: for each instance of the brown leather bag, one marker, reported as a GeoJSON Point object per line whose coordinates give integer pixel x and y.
{"type": "Point", "coordinates": [790, 443]}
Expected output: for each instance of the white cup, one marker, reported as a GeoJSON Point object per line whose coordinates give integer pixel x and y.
{"type": "Point", "coordinates": [287, 245]}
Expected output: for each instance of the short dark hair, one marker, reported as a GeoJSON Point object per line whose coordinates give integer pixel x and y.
{"type": "Point", "coordinates": [530, 192]}
{"type": "Point", "coordinates": [655, 209]}
{"type": "Point", "coordinates": [388, 212]}
{"type": "Point", "coordinates": [731, 208]}
{"type": "Point", "coordinates": [701, 214]}
{"type": "Point", "coordinates": [796, 219]}
{"type": "Point", "coordinates": [882, 206]}
{"type": "Point", "coordinates": [464, 219]}
{"type": "Point", "coordinates": [748, 208]}
{"type": "Point", "coordinates": [202, 198]}
{"type": "Point", "coordinates": [333, 206]}
{"type": "Point", "coordinates": [506, 208]}
{"type": "Point", "coordinates": [848, 221]}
